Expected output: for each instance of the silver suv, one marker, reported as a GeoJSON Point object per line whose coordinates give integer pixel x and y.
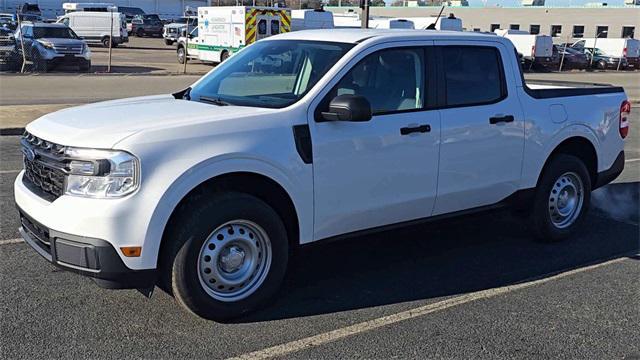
{"type": "Point", "coordinates": [50, 45]}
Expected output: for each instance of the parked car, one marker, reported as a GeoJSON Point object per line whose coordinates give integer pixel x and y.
{"type": "Point", "coordinates": [603, 61]}
{"type": "Point", "coordinates": [628, 48]}
{"type": "Point", "coordinates": [49, 45]}
{"type": "Point", "coordinates": [172, 31]}
{"type": "Point", "coordinates": [305, 136]}
{"type": "Point", "coordinates": [7, 22]}
{"type": "Point", "coordinates": [573, 59]}
{"type": "Point", "coordinates": [95, 26]}
{"type": "Point", "coordinates": [146, 25]}
{"type": "Point", "coordinates": [10, 58]}
{"type": "Point", "coordinates": [130, 12]}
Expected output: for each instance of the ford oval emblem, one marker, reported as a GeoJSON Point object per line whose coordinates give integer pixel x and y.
{"type": "Point", "coordinates": [29, 153]}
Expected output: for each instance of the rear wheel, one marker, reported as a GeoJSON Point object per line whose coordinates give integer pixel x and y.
{"type": "Point", "coordinates": [182, 56]}
{"type": "Point", "coordinates": [228, 255]}
{"type": "Point", "coordinates": [105, 41]}
{"type": "Point", "coordinates": [140, 33]}
{"type": "Point", "coordinates": [224, 56]}
{"type": "Point", "coordinates": [562, 198]}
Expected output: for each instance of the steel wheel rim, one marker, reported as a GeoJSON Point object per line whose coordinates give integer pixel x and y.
{"type": "Point", "coordinates": [234, 260]}
{"type": "Point", "coordinates": [181, 56]}
{"type": "Point", "coordinates": [565, 200]}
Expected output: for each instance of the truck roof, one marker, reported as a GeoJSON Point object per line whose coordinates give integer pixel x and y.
{"type": "Point", "coordinates": [355, 36]}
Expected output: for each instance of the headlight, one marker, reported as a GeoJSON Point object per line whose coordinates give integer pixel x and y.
{"type": "Point", "coordinates": [101, 173]}
{"type": "Point", "coordinates": [46, 44]}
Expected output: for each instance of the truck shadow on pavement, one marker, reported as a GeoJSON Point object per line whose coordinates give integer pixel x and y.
{"type": "Point", "coordinates": [447, 258]}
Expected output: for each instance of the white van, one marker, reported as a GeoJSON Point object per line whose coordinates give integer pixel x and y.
{"type": "Point", "coordinates": [97, 7]}
{"type": "Point", "coordinates": [628, 48]}
{"type": "Point", "coordinates": [450, 23]}
{"type": "Point", "coordinates": [311, 19]}
{"type": "Point", "coordinates": [530, 46]}
{"type": "Point", "coordinates": [94, 26]}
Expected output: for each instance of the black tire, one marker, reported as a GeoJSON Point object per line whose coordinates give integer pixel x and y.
{"type": "Point", "coordinates": [224, 56]}
{"type": "Point", "coordinates": [181, 55]}
{"type": "Point", "coordinates": [540, 218]}
{"type": "Point", "coordinates": [602, 65]}
{"type": "Point", "coordinates": [191, 229]}
{"type": "Point", "coordinates": [86, 66]}
{"type": "Point", "coordinates": [168, 42]}
{"type": "Point", "coordinates": [39, 64]}
{"type": "Point", "coordinates": [140, 33]}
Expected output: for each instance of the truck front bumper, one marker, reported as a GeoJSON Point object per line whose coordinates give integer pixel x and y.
{"type": "Point", "coordinates": [86, 236]}
{"type": "Point", "coordinates": [90, 257]}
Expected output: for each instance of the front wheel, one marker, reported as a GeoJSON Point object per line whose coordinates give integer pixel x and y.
{"type": "Point", "coordinates": [602, 65]}
{"type": "Point", "coordinates": [229, 255]}
{"type": "Point", "coordinates": [168, 42]}
{"type": "Point", "coordinates": [562, 198]}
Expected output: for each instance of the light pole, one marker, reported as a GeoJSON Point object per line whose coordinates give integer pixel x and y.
{"type": "Point", "coordinates": [595, 42]}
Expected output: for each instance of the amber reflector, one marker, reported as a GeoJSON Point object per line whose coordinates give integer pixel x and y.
{"type": "Point", "coordinates": [131, 251]}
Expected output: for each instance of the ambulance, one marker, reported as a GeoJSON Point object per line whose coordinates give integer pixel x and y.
{"type": "Point", "coordinates": [224, 30]}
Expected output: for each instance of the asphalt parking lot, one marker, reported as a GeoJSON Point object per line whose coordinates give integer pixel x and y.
{"type": "Point", "coordinates": [473, 287]}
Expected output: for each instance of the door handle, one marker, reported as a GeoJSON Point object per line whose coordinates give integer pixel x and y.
{"type": "Point", "coordinates": [501, 119]}
{"type": "Point", "coordinates": [415, 129]}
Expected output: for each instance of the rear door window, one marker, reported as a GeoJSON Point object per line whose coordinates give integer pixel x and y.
{"type": "Point", "coordinates": [473, 75]}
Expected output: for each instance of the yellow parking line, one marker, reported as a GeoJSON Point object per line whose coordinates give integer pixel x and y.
{"type": "Point", "coordinates": [11, 241]}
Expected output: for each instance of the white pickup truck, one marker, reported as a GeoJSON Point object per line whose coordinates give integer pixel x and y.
{"type": "Point", "coordinates": [306, 136]}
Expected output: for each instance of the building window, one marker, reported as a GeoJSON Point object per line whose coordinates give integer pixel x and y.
{"type": "Point", "coordinates": [476, 29]}
{"type": "Point", "coordinates": [602, 31]}
{"type": "Point", "coordinates": [578, 31]}
{"type": "Point", "coordinates": [514, 26]}
{"type": "Point", "coordinates": [534, 29]}
{"type": "Point", "coordinates": [627, 31]}
{"type": "Point", "coordinates": [556, 30]}
{"type": "Point", "coordinates": [494, 27]}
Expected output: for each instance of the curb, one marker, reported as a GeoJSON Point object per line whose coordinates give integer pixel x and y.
{"type": "Point", "coordinates": [11, 131]}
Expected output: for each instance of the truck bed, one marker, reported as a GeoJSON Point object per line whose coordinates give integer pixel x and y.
{"type": "Point", "coordinates": [545, 89]}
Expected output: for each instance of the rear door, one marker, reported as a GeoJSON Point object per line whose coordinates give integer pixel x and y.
{"type": "Point", "coordinates": [482, 136]}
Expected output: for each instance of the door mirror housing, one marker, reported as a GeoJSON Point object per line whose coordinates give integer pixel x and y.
{"type": "Point", "coordinates": [348, 108]}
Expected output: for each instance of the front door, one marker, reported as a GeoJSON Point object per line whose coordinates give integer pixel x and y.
{"type": "Point", "coordinates": [482, 126]}
{"type": "Point", "coordinates": [382, 171]}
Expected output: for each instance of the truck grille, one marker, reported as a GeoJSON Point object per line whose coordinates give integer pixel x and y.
{"type": "Point", "coordinates": [6, 41]}
{"type": "Point", "coordinates": [68, 49]}
{"type": "Point", "coordinates": [45, 167]}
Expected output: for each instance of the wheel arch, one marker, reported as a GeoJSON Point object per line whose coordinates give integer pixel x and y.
{"type": "Point", "coordinates": [243, 175]}
{"type": "Point", "coordinates": [580, 147]}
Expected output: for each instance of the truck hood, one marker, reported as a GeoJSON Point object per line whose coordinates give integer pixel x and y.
{"type": "Point", "coordinates": [104, 124]}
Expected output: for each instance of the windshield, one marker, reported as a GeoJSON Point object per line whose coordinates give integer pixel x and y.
{"type": "Point", "coordinates": [274, 73]}
{"type": "Point", "coordinates": [53, 32]}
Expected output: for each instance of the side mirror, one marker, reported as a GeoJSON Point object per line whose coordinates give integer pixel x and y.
{"type": "Point", "coordinates": [348, 108]}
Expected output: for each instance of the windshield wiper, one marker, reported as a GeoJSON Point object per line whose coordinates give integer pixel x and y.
{"type": "Point", "coordinates": [214, 101]}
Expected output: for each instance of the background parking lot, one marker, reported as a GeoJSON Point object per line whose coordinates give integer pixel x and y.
{"type": "Point", "coordinates": [477, 286]}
